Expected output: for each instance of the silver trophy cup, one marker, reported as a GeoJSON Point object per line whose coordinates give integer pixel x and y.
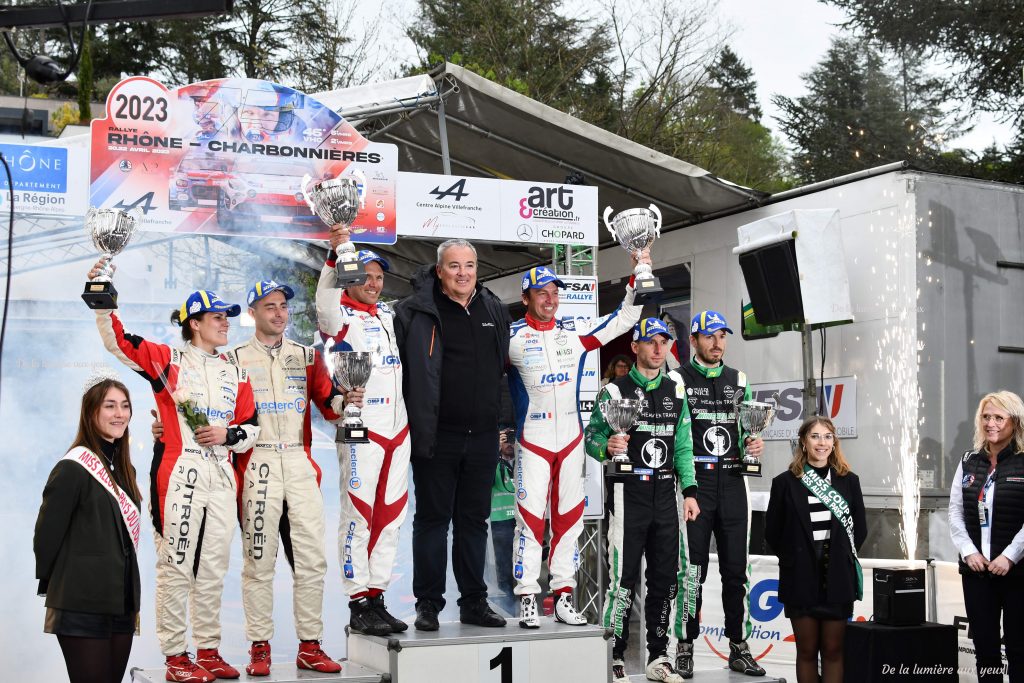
{"type": "Point", "coordinates": [351, 370]}
{"type": "Point", "coordinates": [755, 417]}
{"type": "Point", "coordinates": [111, 230]}
{"type": "Point", "coordinates": [337, 201]}
{"type": "Point", "coordinates": [636, 230]}
{"type": "Point", "coordinates": [620, 414]}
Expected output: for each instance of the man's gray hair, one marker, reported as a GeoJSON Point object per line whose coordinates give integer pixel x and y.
{"type": "Point", "coordinates": [448, 244]}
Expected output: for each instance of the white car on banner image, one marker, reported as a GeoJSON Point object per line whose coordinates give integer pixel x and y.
{"type": "Point", "coordinates": [261, 191]}
{"type": "Point", "coordinates": [196, 183]}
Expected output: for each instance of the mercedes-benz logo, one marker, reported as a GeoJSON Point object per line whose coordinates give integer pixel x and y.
{"type": "Point", "coordinates": [524, 233]}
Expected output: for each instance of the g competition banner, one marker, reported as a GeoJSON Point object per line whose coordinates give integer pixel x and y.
{"type": "Point", "coordinates": [234, 156]}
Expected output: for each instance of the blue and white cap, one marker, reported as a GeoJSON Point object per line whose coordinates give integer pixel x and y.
{"type": "Point", "coordinates": [648, 328]}
{"type": "Point", "coordinates": [367, 256]}
{"type": "Point", "coordinates": [708, 322]}
{"type": "Point", "coordinates": [264, 288]}
{"type": "Point", "coordinates": [537, 278]}
{"type": "Point", "coordinates": [203, 301]}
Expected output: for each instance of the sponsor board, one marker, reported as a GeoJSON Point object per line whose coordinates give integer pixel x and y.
{"type": "Point", "coordinates": [493, 209]}
{"type": "Point", "coordinates": [840, 401]}
{"type": "Point", "coordinates": [233, 156]}
{"type": "Point", "coordinates": [47, 180]}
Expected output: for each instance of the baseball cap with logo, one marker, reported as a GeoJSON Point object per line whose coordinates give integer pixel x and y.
{"type": "Point", "coordinates": [366, 256]}
{"type": "Point", "coordinates": [264, 288]}
{"type": "Point", "coordinates": [204, 301]}
{"type": "Point", "coordinates": [648, 328]}
{"type": "Point", "coordinates": [537, 278]}
{"type": "Point", "coordinates": [708, 322]}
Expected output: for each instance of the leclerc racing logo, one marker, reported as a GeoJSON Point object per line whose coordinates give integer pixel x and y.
{"type": "Point", "coordinates": [278, 407]}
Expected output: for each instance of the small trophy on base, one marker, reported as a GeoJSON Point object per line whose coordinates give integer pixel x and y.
{"type": "Point", "coordinates": [111, 230]}
{"type": "Point", "coordinates": [636, 230]}
{"type": "Point", "coordinates": [620, 414]}
{"type": "Point", "coordinates": [337, 201]}
{"type": "Point", "coordinates": [350, 370]}
{"type": "Point", "coordinates": [754, 417]}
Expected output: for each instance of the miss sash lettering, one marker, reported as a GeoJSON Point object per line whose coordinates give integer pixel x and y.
{"type": "Point", "coordinates": [94, 466]}
{"type": "Point", "coordinates": [840, 509]}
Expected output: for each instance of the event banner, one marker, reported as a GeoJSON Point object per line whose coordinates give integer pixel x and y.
{"type": "Point", "coordinates": [234, 156]}
{"type": "Point", "coordinates": [839, 395]}
{"type": "Point", "coordinates": [46, 180]}
{"type": "Point", "coordinates": [496, 210]}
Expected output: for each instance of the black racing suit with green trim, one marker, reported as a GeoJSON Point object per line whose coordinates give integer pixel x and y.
{"type": "Point", "coordinates": [641, 509]}
{"type": "Point", "coordinates": [723, 498]}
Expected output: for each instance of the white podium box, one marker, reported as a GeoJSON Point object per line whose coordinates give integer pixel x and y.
{"type": "Point", "coordinates": [474, 654]}
{"type": "Point", "coordinates": [285, 672]}
{"type": "Point", "coordinates": [718, 676]}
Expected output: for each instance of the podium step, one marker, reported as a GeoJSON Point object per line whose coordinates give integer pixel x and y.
{"type": "Point", "coordinates": [717, 676]}
{"type": "Point", "coordinates": [474, 654]}
{"type": "Point", "coordinates": [286, 672]}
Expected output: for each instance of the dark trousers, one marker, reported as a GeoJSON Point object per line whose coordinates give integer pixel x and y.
{"type": "Point", "coordinates": [453, 488]}
{"type": "Point", "coordinates": [723, 512]}
{"type": "Point", "coordinates": [987, 598]}
{"type": "Point", "coordinates": [501, 540]}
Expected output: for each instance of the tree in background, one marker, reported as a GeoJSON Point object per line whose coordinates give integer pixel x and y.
{"type": "Point", "coordinates": [735, 83]}
{"type": "Point", "coordinates": [982, 41]}
{"type": "Point", "coordinates": [857, 115]}
{"type": "Point", "coordinates": [85, 84]}
{"type": "Point", "coordinates": [529, 46]}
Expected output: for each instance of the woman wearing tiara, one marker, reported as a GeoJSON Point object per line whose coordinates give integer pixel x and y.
{"type": "Point", "coordinates": [87, 538]}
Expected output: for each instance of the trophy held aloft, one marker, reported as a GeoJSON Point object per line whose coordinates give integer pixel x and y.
{"type": "Point", "coordinates": [111, 230]}
{"type": "Point", "coordinates": [337, 201]}
{"type": "Point", "coordinates": [636, 230]}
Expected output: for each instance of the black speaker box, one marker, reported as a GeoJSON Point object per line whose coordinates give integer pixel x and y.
{"type": "Point", "coordinates": [773, 282]}
{"type": "Point", "coordinates": [899, 596]}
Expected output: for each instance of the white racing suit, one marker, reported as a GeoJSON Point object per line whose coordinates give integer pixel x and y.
{"type": "Point", "coordinates": [547, 365]}
{"type": "Point", "coordinates": [280, 496]}
{"type": "Point", "coordinates": [192, 488]}
{"type": "Point", "coordinates": [374, 476]}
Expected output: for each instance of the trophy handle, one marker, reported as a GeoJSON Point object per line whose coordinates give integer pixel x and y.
{"type": "Point", "coordinates": [657, 214]}
{"type": "Point", "coordinates": [608, 212]}
{"type": "Point", "coordinates": [305, 192]}
{"type": "Point", "coordinates": [361, 177]}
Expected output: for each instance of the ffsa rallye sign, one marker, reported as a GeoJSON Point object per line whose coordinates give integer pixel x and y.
{"type": "Point", "coordinates": [233, 156]}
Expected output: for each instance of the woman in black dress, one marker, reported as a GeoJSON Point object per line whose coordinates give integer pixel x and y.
{"type": "Point", "coordinates": [815, 520]}
{"type": "Point", "coordinates": [86, 540]}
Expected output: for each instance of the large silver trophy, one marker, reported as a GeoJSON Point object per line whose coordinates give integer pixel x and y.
{"type": "Point", "coordinates": [754, 417]}
{"type": "Point", "coordinates": [337, 201]}
{"type": "Point", "coordinates": [350, 370]}
{"type": "Point", "coordinates": [111, 230]}
{"type": "Point", "coordinates": [620, 414]}
{"type": "Point", "coordinates": [636, 230]}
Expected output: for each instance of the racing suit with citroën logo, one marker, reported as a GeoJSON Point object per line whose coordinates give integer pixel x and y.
{"type": "Point", "coordinates": [547, 365]}
{"type": "Point", "coordinates": [374, 476]}
{"type": "Point", "coordinates": [642, 509]}
{"type": "Point", "coordinates": [192, 488]}
{"type": "Point", "coordinates": [723, 498]}
{"type": "Point", "coordinates": [280, 484]}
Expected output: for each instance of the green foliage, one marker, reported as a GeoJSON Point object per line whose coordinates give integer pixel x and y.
{"type": "Point", "coordinates": [857, 115]}
{"type": "Point", "coordinates": [65, 115]}
{"type": "Point", "coordinates": [85, 85]}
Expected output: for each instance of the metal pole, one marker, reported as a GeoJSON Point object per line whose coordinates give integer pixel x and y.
{"type": "Point", "coordinates": [442, 130]}
{"type": "Point", "coordinates": [810, 388]}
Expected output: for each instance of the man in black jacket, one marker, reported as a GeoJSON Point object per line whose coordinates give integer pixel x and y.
{"type": "Point", "coordinates": [453, 339]}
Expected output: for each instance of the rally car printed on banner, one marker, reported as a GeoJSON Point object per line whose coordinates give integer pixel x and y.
{"type": "Point", "coordinates": [233, 156]}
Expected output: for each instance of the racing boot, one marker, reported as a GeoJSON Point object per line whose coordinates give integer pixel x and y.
{"type": "Point", "coordinates": [619, 671]}
{"type": "Point", "coordinates": [211, 660]}
{"type": "Point", "coordinates": [528, 615]}
{"type": "Point", "coordinates": [396, 625]}
{"type": "Point", "coordinates": [426, 616]}
{"type": "Point", "coordinates": [259, 659]}
{"type": "Point", "coordinates": [660, 669]}
{"type": "Point", "coordinates": [313, 658]}
{"type": "Point", "coordinates": [741, 660]}
{"type": "Point", "coordinates": [565, 611]}
{"type": "Point", "coordinates": [363, 618]}
{"type": "Point", "coordinates": [181, 668]}
{"type": "Point", "coordinates": [684, 659]}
